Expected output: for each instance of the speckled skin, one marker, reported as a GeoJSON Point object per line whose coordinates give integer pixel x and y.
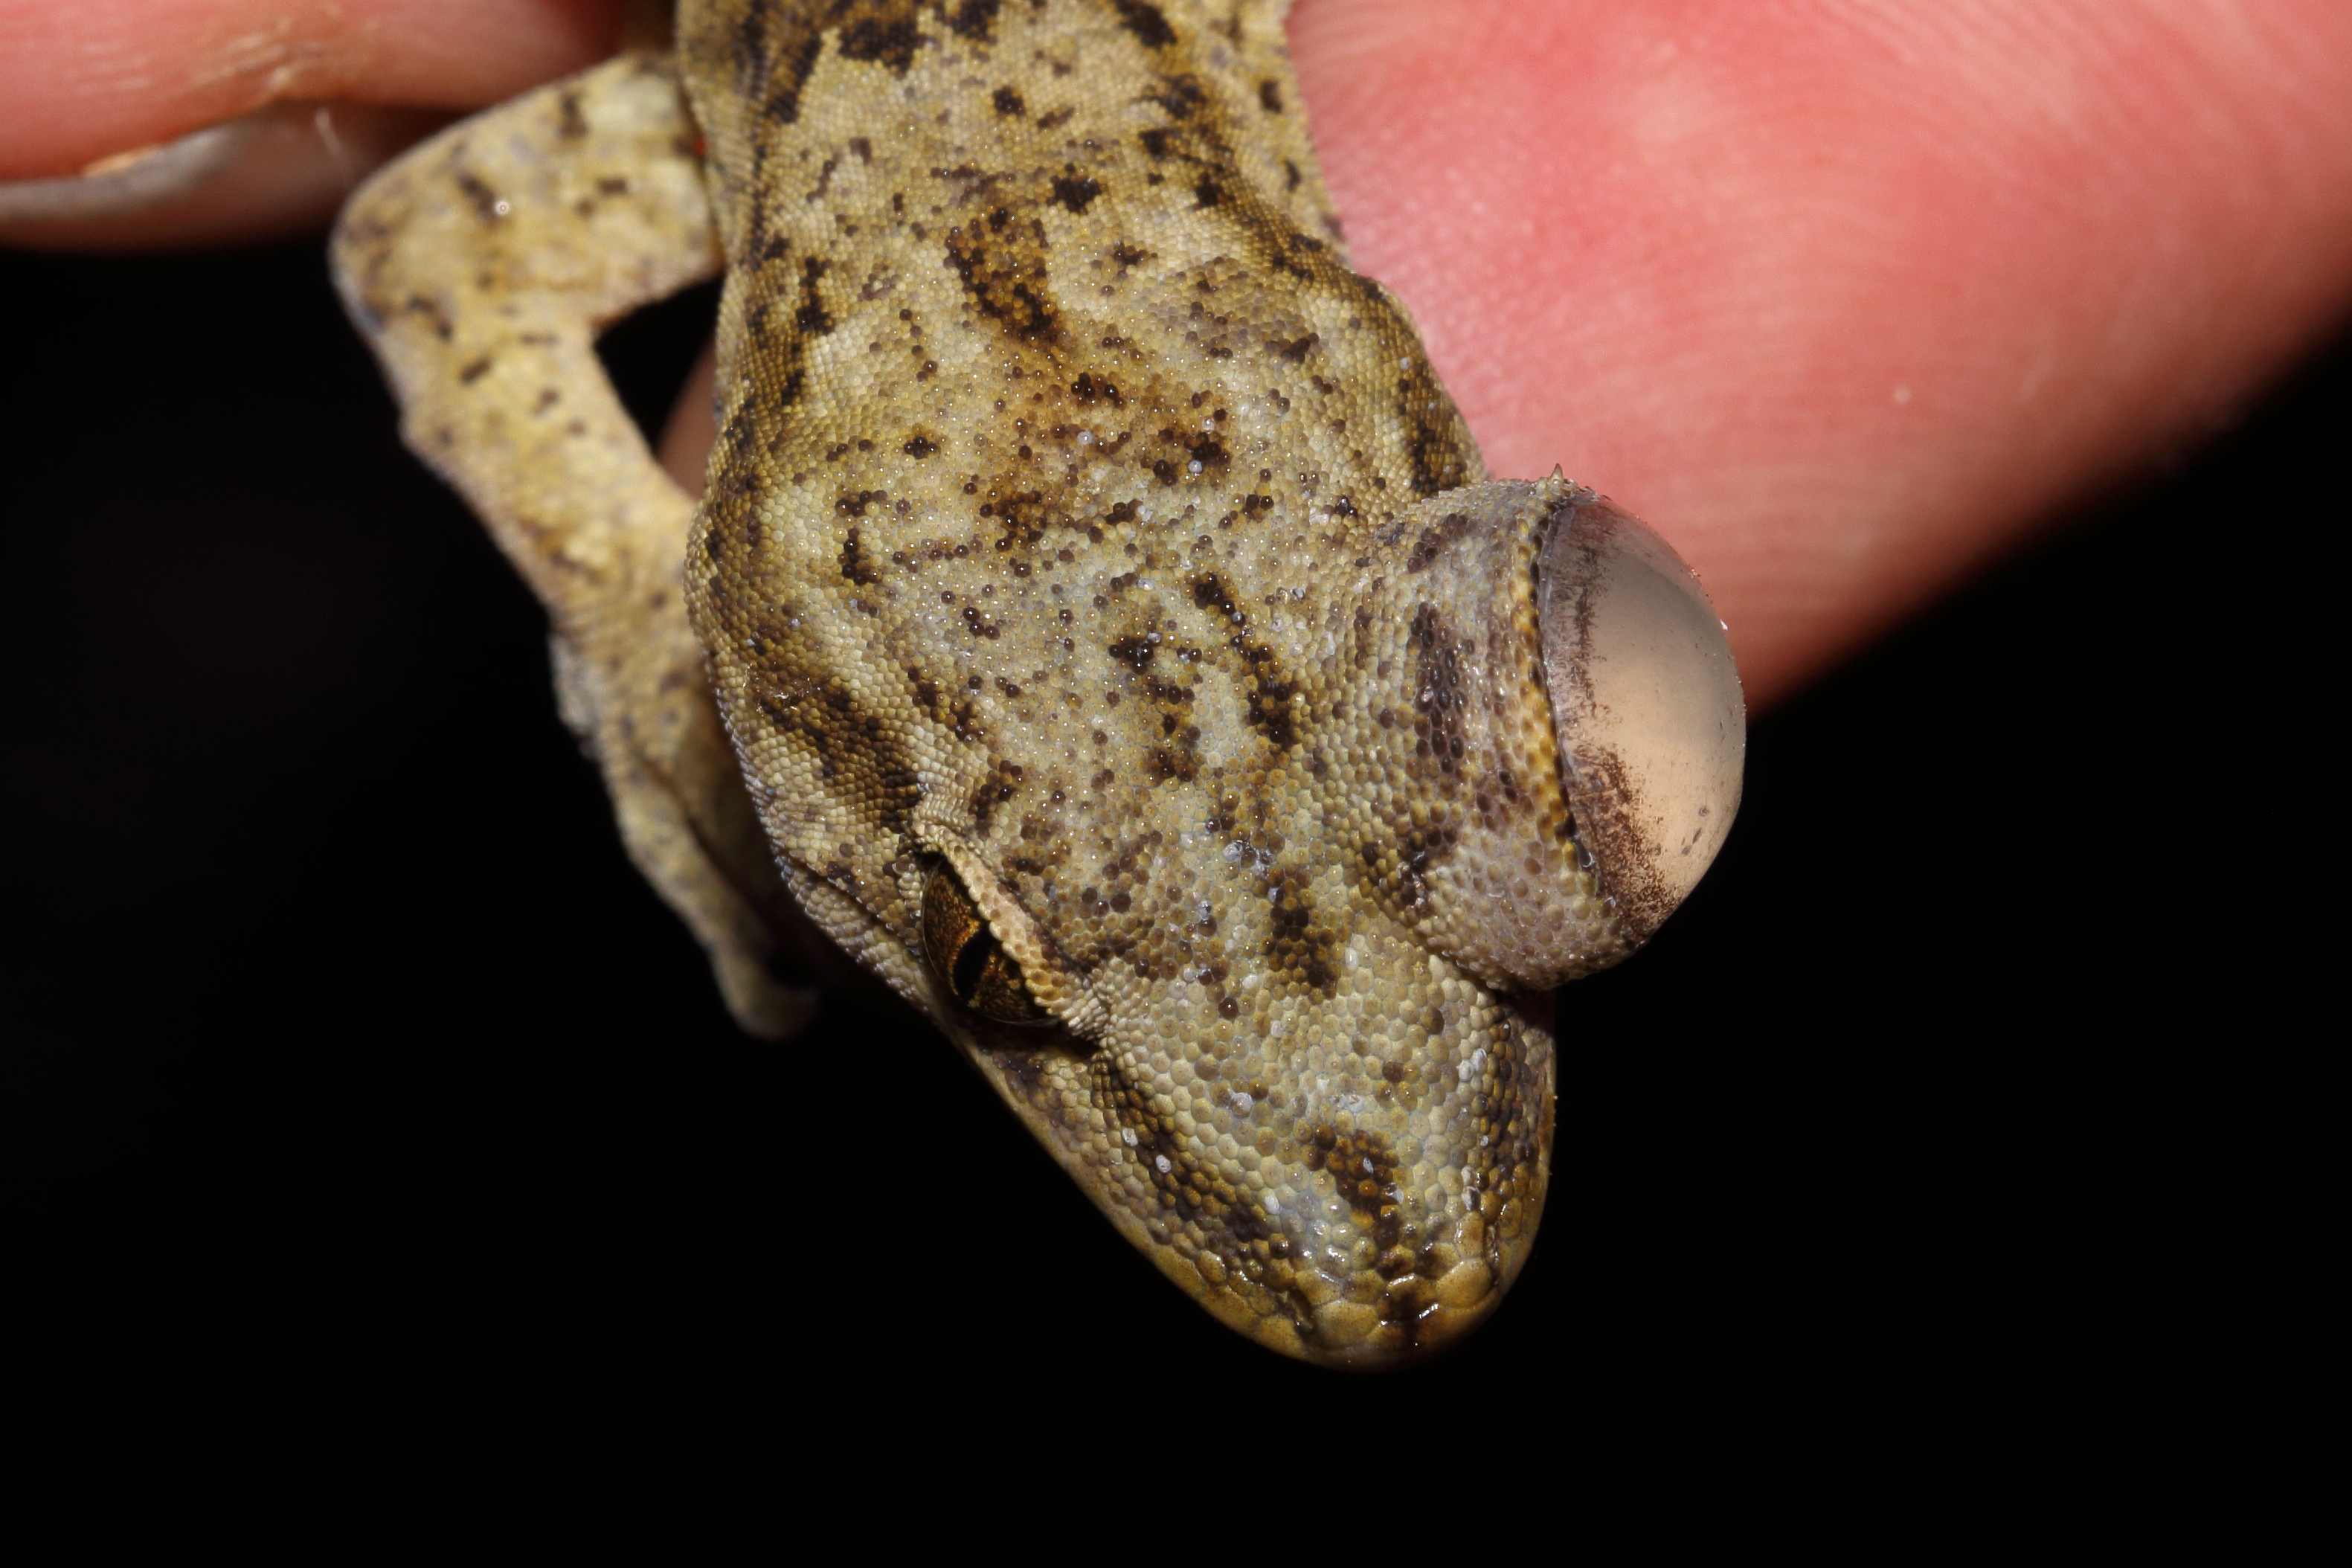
{"type": "Point", "coordinates": [1078, 521]}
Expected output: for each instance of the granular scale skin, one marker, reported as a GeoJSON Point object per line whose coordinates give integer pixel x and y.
{"type": "Point", "coordinates": [1086, 551]}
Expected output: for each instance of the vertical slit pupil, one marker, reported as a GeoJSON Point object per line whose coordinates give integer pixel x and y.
{"type": "Point", "coordinates": [970, 962]}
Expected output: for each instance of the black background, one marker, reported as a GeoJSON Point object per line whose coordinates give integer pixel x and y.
{"type": "Point", "coordinates": [331, 1002]}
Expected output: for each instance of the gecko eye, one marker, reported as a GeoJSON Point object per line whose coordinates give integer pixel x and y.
{"type": "Point", "coordinates": [968, 959]}
{"type": "Point", "coordinates": [1646, 704]}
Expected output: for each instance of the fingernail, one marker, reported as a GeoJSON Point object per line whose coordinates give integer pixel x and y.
{"type": "Point", "coordinates": [127, 182]}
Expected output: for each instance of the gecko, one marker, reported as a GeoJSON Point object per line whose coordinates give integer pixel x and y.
{"type": "Point", "coordinates": [1097, 623]}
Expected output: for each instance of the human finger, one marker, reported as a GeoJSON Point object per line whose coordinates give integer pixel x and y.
{"type": "Point", "coordinates": [1844, 299]}
{"type": "Point", "coordinates": [147, 123]}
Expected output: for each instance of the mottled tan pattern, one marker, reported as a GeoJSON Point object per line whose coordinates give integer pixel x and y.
{"type": "Point", "coordinates": [480, 268]}
{"type": "Point", "coordinates": [1081, 526]}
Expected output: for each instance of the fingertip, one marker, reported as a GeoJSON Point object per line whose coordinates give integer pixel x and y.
{"type": "Point", "coordinates": [1845, 302]}
{"type": "Point", "coordinates": [280, 171]}
{"type": "Point", "coordinates": [83, 82]}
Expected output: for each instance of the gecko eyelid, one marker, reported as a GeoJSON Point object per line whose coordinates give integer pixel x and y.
{"type": "Point", "coordinates": [969, 962]}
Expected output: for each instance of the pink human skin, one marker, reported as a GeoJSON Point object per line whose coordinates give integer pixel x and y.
{"type": "Point", "coordinates": [1845, 299]}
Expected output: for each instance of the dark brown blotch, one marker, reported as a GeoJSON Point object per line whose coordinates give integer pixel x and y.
{"type": "Point", "coordinates": [975, 19]}
{"type": "Point", "coordinates": [1433, 442]}
{"type": "Point", "coordinates": [855, 564]}
{"type": "Point", "coordinates": [1440, 694]}
{"type": "Point", "coordinates": [885, 34]}
{"type": "Point", "coordinates": [1209, 592]}
{"type": "Point", "coordinates": [1297, 943]}
{"type": "Point", "coordinates": [1180, 96]}
{"type": "Point", "coordinates": [1434, 541]}
{"type": "Point", "coordinates": [1145, 21]}
{"type": "Point", "coordinates": [479, 196]}
{"type": "Point", "coordinates": [812, 318]}
{"type": "Point", "coordinates": [1075, 191]}
{"type": "Point", "coordinates": [1001, 261]}
{"type": "Point", "coordinates": [1272, 696]}
{"type": "Point", "coordinates": [1001, 784]}
{"type": "Point", "coordinates": [790, 73]}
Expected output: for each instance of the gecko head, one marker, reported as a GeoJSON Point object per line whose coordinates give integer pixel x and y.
{"type": "Point", "coordinates": [1300, 987]}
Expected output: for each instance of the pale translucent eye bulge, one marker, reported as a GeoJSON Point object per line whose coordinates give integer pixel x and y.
{"type": "Point", "coordinates": [1647, 706]}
